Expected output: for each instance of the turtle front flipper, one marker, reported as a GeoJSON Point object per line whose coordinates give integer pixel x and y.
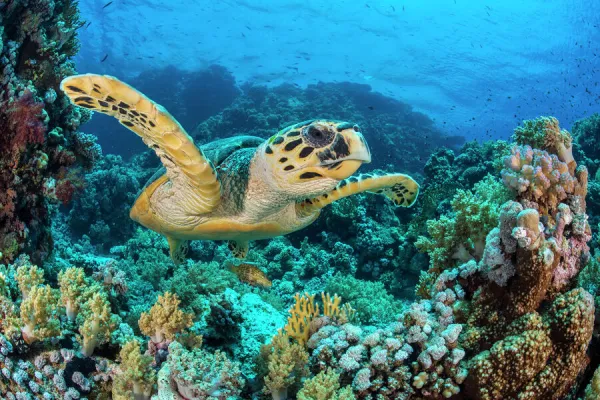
{"type": "Point", "coordinates": [400, 188]}
{"type": "Point", "coordinates": [187, 169]}
{"type": "Point", "coordinates": [239, 249]}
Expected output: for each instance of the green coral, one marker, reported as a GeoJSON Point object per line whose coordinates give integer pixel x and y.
{"type": "Point", "coordinates": [325, 386]}
{"type": "Point", "coordinates": [194, 283]}
{"type": "Point", "coordinates": [460, 236]}
{"type": "Point", "coordinates": [592, 391]}
{"type": "Point", "coordinates": [370, 299]}
{"type": "Point", "coordinates": [544, 133]}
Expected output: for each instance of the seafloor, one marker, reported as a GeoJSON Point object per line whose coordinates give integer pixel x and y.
{"type": "Point", "coordinates": [485, 289]}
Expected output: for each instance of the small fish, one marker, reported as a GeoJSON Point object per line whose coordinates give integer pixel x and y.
{"type": "Point", "coordinates": [88, 24]}
{"type": "Point", "coordinates": [104, 59]}
{"type": "Point", "coordinates": [250, 274]}
{"type": "Point", "coordinates": [107, 4]}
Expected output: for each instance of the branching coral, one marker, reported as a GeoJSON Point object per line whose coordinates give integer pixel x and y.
{"type": "Point", "coordinates": [372, 302]}
{"type": "Point", "coordinates": [304, 314]}
{"type": "Point", "coordinates": [165, 319]}
{"type": "Point", "coordinates": [542, 178]}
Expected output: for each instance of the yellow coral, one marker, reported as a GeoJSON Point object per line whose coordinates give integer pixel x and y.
{"type": "Point", "coordinates": [137, 377]}
{"type": "Point", "coordinates": [286, 362]}
{"type": "Point", "coordinates": [40, 314]}
{"type": "Point", "coordinates": [165, 319]}
{"type": "Point", "coordinates": [331, 305]}
{"type": "Point", "coordinates": [28, 276]}
{"type": "Point", "coordinates": [304, 311]}
{"type": "Point", "coordinates": [75, 290]}
{"type": "Point", "coordinates": [325, 386]}
{"type": "Point", "coordinates": [592, 391]}
{"type": "Point", "coordinates": [98, 323]}
{"type": "Point", "coordinates": [301, 314]}
{"type": "Point", "coordinates": [4, 289]}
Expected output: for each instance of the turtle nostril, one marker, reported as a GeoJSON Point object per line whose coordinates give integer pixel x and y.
{"type": "Point", "coordinates": [356, 128]}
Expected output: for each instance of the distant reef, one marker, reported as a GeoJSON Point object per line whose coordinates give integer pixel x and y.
{"type": "Point", "coordinates": [211, 105]}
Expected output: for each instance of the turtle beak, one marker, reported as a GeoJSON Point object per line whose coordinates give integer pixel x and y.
{"type": "Point", "coordinates": [357, 152]}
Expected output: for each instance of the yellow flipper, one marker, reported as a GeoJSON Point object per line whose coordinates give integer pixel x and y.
{"type": "Point", "coordinates": [400, 188]}
{"type": "Point", "coordinates": [239, 249]}
{"type": "Point", "coordinates": [185, 163]}
{"type": "Point", "coordinates": [177, 249]}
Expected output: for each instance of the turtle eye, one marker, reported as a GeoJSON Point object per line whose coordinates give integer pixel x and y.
{"type": "Point", "coordinates": [317, 136]}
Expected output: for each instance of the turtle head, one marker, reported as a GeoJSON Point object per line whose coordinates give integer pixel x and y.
{"type": "Point", "coordinates": [311, 157]}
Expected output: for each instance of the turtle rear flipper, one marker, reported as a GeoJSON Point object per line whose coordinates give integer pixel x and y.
{"type": "Point", "coordinates": [239, 248]}
{"type": "Point", "coordinates": [400, 188]}
{"type": "Point", "coordinates": [187, 167]}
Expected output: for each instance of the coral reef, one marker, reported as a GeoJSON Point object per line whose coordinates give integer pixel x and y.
{"type": "Point", "coordinates": [497, 315]}
{"type": "Point", "coordinates": [504, 306]}
{"type": "Point", "coordinates": [42, 150]}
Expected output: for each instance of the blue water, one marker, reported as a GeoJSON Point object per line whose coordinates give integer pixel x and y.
{"type": "Point", "coordinates": [476, 67]}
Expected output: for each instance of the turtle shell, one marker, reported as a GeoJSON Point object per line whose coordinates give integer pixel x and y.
{"type": "Point", "coordinates": [217, 151]}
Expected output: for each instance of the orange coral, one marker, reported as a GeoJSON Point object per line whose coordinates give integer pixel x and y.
{"type": "Point", "coordinates": [165, 319]}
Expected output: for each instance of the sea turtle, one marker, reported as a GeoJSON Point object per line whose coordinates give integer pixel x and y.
{"type": "Point", "coordinates": [243, 188]}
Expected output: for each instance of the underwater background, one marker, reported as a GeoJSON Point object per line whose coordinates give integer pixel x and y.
{"type": "Point", "coordinates": [486, 288]}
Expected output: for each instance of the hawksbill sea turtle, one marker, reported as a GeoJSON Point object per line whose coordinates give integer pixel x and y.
{"type": "Point", "coordinates": [242, 188]}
